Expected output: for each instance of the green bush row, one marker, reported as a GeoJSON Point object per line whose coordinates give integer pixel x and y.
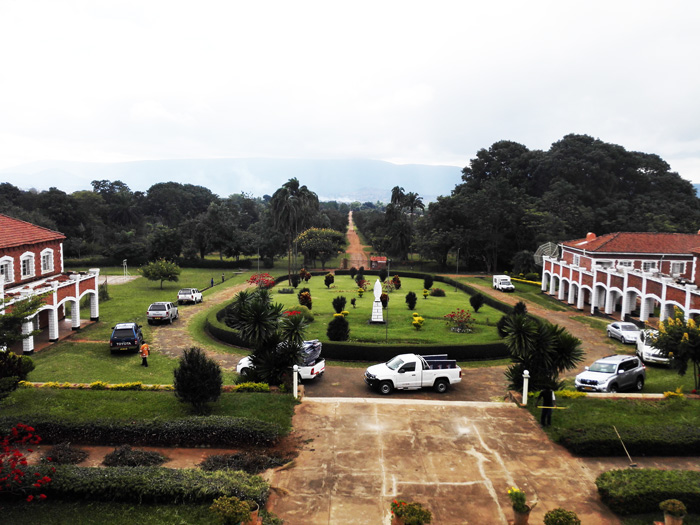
{"type": "Point", "coordinates": [100, 262]}
{"type": "Point", "coordinates": [671, 440]}
{"type": "Point", "coordinates": [185, 432]}
{"type": "Point", "coordinates": [152, 484]}
{"type": "Point", "coordinates": [637, 491]}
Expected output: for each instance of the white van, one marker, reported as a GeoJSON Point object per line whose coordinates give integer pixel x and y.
{"type": "Point", "coordinates": [502, 283]}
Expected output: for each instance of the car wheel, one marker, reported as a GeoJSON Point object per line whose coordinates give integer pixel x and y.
{"type": "Point", "coordinates": [385, 388]}
{"type": "Point", "coordinates": [170, 320]}
{"type": "Point", "coordinates": [244, 372]}
{"type": "Point", "coordinates": [441, 386]}
{"type": "Point", "coordinates": [150, 321]}
{"type": "Point", "coordinates": [609, 335]}
{"type": "Point", "coordinates": [613, 388]}
{"type": "Point", "coordinates": [639, 384]}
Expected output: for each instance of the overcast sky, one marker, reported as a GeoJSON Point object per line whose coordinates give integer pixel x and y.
{"type": "Point", "coordinates": [407, 82]}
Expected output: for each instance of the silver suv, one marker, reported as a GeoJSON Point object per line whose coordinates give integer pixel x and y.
{"type": "Point", "coordinates": [162, 312]}
{"type": "Point", "coordinates": [612, 374]}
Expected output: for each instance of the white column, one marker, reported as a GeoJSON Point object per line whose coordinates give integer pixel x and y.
{"type": "Point", "coordinates": [95, 298]}
{"type": "Point", "coordinates": [75, 315]}
{"type": "Point", "coordinates": [53, 324]}
{"type": "Point", "coordinates": [526, 384]}
{"type": "Point", "coordinates": [581, 298]}
{"type": "Point", "coordinates": [609, 304]}
{"type": "Point", "coordinates": [28, 342]}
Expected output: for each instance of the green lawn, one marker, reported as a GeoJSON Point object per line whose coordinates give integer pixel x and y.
{"type": "Point", "coordinates": [586, 412]}
{"type": "Point", "coordinates": [86, 405]}
{"type": "Point", "coordinates": [525, 291]}
{"type": "Point", "coordinates": [399, 329]}
{"type": "Point", "coordinates": [88, 362]}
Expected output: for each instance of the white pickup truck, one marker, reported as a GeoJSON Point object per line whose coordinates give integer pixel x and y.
{"type": "Point", "coordinates": [503, 283]}
{"type": "Point", "coordinates": [313, 364]}
{"type": "Point", "coordinates": [411, 372]}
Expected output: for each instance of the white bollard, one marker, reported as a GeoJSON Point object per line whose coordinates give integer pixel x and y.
{"type": "Point", "coordinates": [526, 381]}
{"type": "Point", "coordinates": [295, 380]}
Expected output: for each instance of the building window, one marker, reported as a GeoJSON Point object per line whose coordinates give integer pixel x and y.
{"type": "Point", "coordinates": [27, 265]}
{"type": "Point", "coordinates": [627, 264]}
{"type": "Point", "coordinates": [648, 266]}
{"type": "Point", "coordinates": [47, 260]}
{"type": "Point", "coordinates": [677, 268]}
{"type": "Point", "coordinates": [7, 269]}
{"type": "Point", "coordinates": [577, 260]}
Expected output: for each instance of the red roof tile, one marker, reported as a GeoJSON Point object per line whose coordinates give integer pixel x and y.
{"type": "Point", "coordinates": [14, 232]}
{"type": "Point", "coordinates": [639, 242]}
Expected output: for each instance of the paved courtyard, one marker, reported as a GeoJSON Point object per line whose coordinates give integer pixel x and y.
{"type": "Point", "coordinates": [457, 458]}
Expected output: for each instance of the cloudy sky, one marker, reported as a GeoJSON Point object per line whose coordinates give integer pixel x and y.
{"type": "Point", "coordinates": [402, 81]}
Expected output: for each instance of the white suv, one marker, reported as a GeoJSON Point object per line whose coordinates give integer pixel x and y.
{"type": "Point", "coordinates": [189, 295]}
{"type": "Point", "coordinates": [163, 312]}
{"type": "Point", "coordinates": [612, 374]}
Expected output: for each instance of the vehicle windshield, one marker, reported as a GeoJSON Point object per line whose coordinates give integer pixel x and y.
{"type": "Point", "coordinates": [123, 332]}
{"type": "Point", "coordinates": [606, 368]}
{"type": "Point", "coordinates": [186, 290]}
{"type": "Point", "coordinates": [395, 363]}
{"type": "Point", "coordinates": [154, 307]}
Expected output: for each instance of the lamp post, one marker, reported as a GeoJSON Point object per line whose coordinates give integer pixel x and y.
{"type": "Point", "coordinates": [526, 381]}
{"type": "Point", "coordinates": [457, 261]}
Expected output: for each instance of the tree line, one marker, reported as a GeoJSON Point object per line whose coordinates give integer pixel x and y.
{"type": "Point", "coordinates": [512, 199]}
{"type": "Point", "coordinates": [172, 220]}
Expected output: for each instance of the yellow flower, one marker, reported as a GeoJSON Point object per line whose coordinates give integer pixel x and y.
{"type": "Point", "coordinates": [685, 337]}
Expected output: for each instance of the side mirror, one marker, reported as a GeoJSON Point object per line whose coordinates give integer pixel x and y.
{"type": "Point", "coordinates": [140, 325]}
{"type": "Point", "coordinates": [585, 368]}
{"type": "Point", "coordinates": [401, 371]}
{"type": "Point", "coordinates": [620, 371]}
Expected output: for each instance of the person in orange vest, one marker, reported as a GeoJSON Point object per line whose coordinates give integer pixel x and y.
{"type": "Point", "coordinates": [145, 350]}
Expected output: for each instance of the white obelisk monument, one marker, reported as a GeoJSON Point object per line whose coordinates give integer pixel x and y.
{"type": "Point", "coordinates": [377, 314]}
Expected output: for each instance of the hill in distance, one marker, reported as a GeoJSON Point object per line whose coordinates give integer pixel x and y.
{"type": "Point", "coordinates": [341, 180]}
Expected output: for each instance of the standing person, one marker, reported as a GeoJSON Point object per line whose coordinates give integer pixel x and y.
{"type": "Point", "coordinates": [549, 401]}
{"type": "Point", "coordinates": [222, 277]}
{"type": "Point", "coordinates": [212, 283]}
{"type": "Point", "coordinates": [145, 350]}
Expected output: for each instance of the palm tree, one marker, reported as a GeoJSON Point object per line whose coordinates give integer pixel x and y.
{"type": "Point", "coordinates": [292, 207]}
{"type": "Point", "coordinates": [397, 196]}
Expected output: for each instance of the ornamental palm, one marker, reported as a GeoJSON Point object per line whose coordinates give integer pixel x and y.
{"type": "Point", "coordinates": [258, 322]}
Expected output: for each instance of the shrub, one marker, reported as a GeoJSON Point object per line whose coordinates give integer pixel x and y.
{"type": "Point", "coordinates": [154, 484]}
{"type": "Point", "coordinates": [125, 456]}
{"type": "Point", "coordinates": [286, 290]}
{"type": "Point", "coordinates": [460, 321]}
{"type": "Point", "coordinates": [437, 292]}
{"type": "Point", "coordinates": [353, 301]}
{"type": "Point", "coordinates": [383, 274]}
{"type": "Point", "coordinates": [642, 490]}
{"type": "Point", "coordinates": [305, 299]}
{"type": "Point", "coordinates": [361, 282]}
{"type": "Point", "coordinates": [353, 273]}
{"type": "Point", "coordinates": [339, 304]}
{"type": "Point", "coordinates": [561, 517]}
{"type": "Point", "coordinates": [328, 280]}
{"type": "Point", "coordinates": [250, 462]}
{"type": "Point", "coordinates": [673, 507]}
{"type": "Point", "coordinates": [13, 369]}
{"type": "Point", "coordinates": [197, 380]}
{"type": "Point", "coordinates": [262, 280]}
{"type": "Point", "coordinates": [411, 513]}
{"type": "Point", "coordinates": [338, 329]}
{"type": "Point", "coordinates": [304, 275]}
{"type": "Point", "coordinates": [247, 386]}
{"type": "Point", "coordinates": [13, 464]}
{"type": "Point", "coordinates": [397, 282]}
{"type": "Point", "coordinates": [305, 289]}
{"type": "Point", "coordinates": [384, 299]}
{"type": "Point", "coordinates": [417, 321]}
{"type": "Point", "coordinates": [64, 454]}
{"type": "Point", "coordinates": [229, 510]}
{"type": "Point", "coordinates": [477, 301]}
{"type": "Point", "coordinates": [295, 280]}
{"type": "Point", "coordinates": [305, 312]}
{"type": "Point", "coordinates": [411, 300]}
{"type": "Point", "coordinates": [532, 276]}
{"type": "Point", "coordinates": [428, 282]}
{"type": "Point", "coordinates": [191, 431]}
{"type": "Point", "coordinates": [99, 385]}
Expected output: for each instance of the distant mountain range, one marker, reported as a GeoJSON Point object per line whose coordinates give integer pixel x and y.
{"type": "Point", "coordinates": [341, 180]}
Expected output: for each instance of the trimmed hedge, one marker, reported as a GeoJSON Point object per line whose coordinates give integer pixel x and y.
{"type": "Point", "coordinates": [636, 491]}
{"type": "Point", "coordinates": [152, 484]}
{"type": "Point", "coordinates": [341, 351]}
{"type": "Point", "coordinates": [185, 432]}
{"type": "Point", "coordinates": [100, 262]}
{"type": "Point", "coordinates": [672, 440]}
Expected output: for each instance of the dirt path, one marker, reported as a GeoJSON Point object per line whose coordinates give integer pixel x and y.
{"type": "Point", "coordinates": [595, 344]}
{"type": "Point", "coordinates": [358, 257]}
{"type": "Point", "coordinates": [172, 340]}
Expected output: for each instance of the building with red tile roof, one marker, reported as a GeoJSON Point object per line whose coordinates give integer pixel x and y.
{"type": "Point", "coordinates": [31, 263]}
{"type": "Point", "coordinates": [633, 274]}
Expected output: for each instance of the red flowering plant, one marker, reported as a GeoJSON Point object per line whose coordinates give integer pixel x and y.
{"type": "Point", "coordinates": [13, 464]}
{"type": "Point", "coordinates": [291, 313]}
{"type": "Point", "coordinates": [411, 513]}
{"type": "Point", "coordinates": [262, 280]}
{"type": "Point", "coordinates": [304, 275]}
{"type": "Point", "coordinates": [460, 321]}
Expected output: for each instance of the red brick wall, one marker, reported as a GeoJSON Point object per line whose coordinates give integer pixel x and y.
{"type": "Point", "coordinates": [36, 249]}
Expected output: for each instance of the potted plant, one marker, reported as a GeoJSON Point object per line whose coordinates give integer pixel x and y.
{"type": "Point", "coordinates": [403, 513]}
{"type": "Point", "coordinates": [561, 517]}
{"type": "Point", "coordinates": [520, 507]}
{"type": "Point", "coordinates": [674, 511]}
{"type": "Point", "coordinates": [229, 510]}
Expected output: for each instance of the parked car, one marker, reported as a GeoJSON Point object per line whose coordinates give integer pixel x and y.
{"type": "Point", "coordinates": [411, 372]}
{"type": "Point", "coordinates": [313, 365]}
{"type": "Point", "coordinates": [189, 295]}
{"type": "Point", "coordinates": [624, 332]}
{"type": "Point", "coordinates": [612, 374]}
{"type": "Point", "coordinates": [162, 312]}
{"type": "Point", "coordinates": [126, 336]}
{"type": "Point", "coordinates": [503, 283]}
{"type": "Point", "coordinates": [646, 350]}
